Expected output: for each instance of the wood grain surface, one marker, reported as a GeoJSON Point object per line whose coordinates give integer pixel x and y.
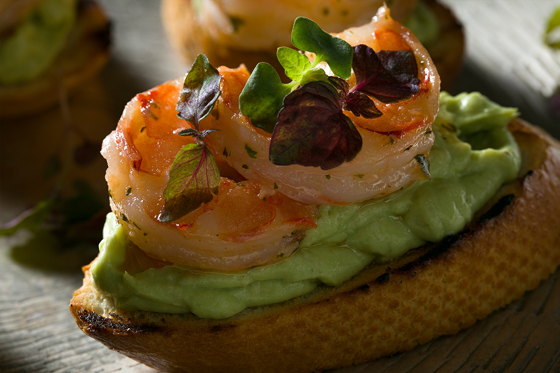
{"type": "Point", "coordinates": [506, 60]}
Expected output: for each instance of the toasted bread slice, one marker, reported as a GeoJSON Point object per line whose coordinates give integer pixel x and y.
{"type": "Point", "coordinates": [435, 290]}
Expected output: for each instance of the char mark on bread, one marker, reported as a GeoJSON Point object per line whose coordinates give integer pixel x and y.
{"type": "Point", "coordinates": [113, 325]}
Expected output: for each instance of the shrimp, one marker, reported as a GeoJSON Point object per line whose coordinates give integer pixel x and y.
{"type": "Point", "coordinates": [388, 160]}
{"type": "Point", "coordinates": [245, 225]}
{"type": "Point", "coordinates": [238, 24]}
{"type": "Point", "coordinates": [262, 210]}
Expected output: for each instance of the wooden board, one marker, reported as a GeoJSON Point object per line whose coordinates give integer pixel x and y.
{"type": "Point", "coordinates": [505, 60]}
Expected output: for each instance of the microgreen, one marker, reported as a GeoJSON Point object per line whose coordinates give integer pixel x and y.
{"type": "Point", "coordinates": [389, 76]}
{"type": "Point", "coordinates": [30, 219]}
{"type": "Point", "coordinates": [295, 64]}
{"type": "Point", "coordinates": [261, 98]}
{"type": "Point", "coordinates": [194, 176]}
{"type": "Point", "coordinates": [200, 91]}
{"type": "Point", "coordinates": [552, 32]}
{"type": "Point", "coordinates": [306, 116]}
{"type": "Point", "coordinates": [195, 181]}
{"type": "Point", "coordinates": [312, 129]}
{"type": "Point", "coordinates": [308, 36]}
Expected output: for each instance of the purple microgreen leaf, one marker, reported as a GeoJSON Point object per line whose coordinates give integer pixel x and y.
{"type": "Point", "coordinates": [189, 132]}
{"type": "Point", "coordinates": [356, 102]}
{"type": "Point", "coordinates": [402, 66]}
{"type": "Point", "coordinates": [193, 180]}
{"type": "Point", "coordinates": [195, 133]}
{"type": "Point", "coordinates": [312, 129]}
{"type": "Point", "coordinates": [340, 84]}
{"type": "Point", "coordinates": [388, 76]}
{"type": "Point", "coordinates": [361, 105]}
{"type": "Point", "coordinates": [200, 91]}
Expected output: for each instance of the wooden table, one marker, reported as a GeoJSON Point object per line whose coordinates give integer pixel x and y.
{"type": "Point", "coordinates": [505, 60]}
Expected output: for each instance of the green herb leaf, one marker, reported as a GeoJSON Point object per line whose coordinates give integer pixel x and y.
{"type": "Point", "coordinates": [424, 164]}
{"type": "Point", "coordinates": [261, 98]}
{"type": "Point", "coordinates": [552, 33]}
{"type": "Point", "coordinates": [30, 219]}
{"type": "Point", "coordinates": [200, 91]}
{"type": "Point", "coordinates": [294, 63]}
{"type": "Point", "coordinates": [308, 36]}
{"type": "Point", "coordinates": [314, 75]}
{"type": "Point", "coordinates": [250, 152]}
{"type": "Point", "coordinates": [193, 180]}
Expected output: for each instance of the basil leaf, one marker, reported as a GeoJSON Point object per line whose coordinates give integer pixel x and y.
{"type": "Point", "coordinates": [261, 98]}
{"type": "Point", "coordinates": [308, 36]}
{"type": "Point", "coordinates": [294, 63]}
{"type": "Point", "coordinates": [193, 180]}
{"type": "Point", "coordinates": [389, 76]}
{"type": "Point", "coordinates": [312, 129]}
{"type": "Point", "coordinates": [552, 33]}
{"type": "Point", "coordinates": [200, 91]}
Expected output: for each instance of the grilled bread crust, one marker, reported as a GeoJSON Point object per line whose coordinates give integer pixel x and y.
{"type": "Point", "coordinates": [435, 290]}
{"type": "Point", "coordinates": [187, 36]}
{"type": "Point", "coordinates": [85, 53]}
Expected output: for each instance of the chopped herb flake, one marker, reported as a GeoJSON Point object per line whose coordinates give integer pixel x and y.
{"type": "Point", "coordinates": [250, 151]}
{"type": "Point", "coordinates": [424, 164]}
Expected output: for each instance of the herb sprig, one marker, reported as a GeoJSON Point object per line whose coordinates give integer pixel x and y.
{"type": "Point", "coordinates": [552, 32]}
{"type": "Point", "coordinates": [194, 176]}
{"type": "Point", "coordinates": [306, 116]}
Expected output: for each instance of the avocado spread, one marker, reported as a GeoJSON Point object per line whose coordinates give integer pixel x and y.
{"type": "Point", "coordinates": [32, 47]}
{"type": "Point", "coordinates": [472, 157]}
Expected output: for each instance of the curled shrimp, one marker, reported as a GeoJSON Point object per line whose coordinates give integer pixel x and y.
{"type": "Point", "coordinates": [245, 225]}
{"type": "Point", "coordinates": [388, 160]}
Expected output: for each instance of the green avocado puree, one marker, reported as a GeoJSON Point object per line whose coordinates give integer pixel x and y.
{"type": "Point", "coordinates": [32, 47]}
{"type": "Point", "coordinates": [472, 157]}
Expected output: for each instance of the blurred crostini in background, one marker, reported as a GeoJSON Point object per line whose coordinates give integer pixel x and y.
{"type": "Point", "coordinates": [46, 45]}
{"type": "Point", "coordinates": [234, 32]}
